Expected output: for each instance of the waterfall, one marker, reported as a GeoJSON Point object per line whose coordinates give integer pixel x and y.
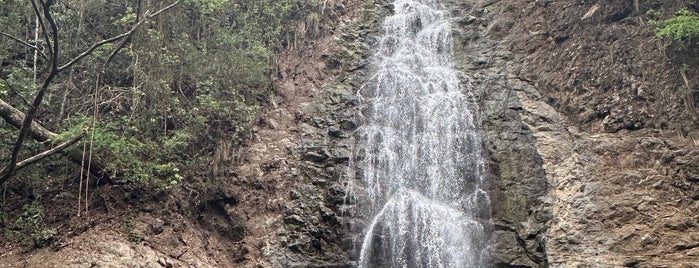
{"type": "Point", "coordinates": [422, 171]}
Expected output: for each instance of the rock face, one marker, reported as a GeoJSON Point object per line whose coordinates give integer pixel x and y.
{"type": "Point", "coordinates": [518, 181]}
{"type": "Point", "coordinates": [586, 123]}
{"type": "Point", "coordinates": [309, 131]}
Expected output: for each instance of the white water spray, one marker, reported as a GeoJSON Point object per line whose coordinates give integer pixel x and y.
{"type": "Point", "coordinates": [423, 169]}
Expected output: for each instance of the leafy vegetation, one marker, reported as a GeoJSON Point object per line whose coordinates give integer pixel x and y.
{"type": "Point", "coordinates": [683, 28]}
{"type": "Point", "coordinates": [156, 104]}
{"type": "Point", "coordinates": [163, 99]}
{"type": "Point", "coordinates": [28, 229]}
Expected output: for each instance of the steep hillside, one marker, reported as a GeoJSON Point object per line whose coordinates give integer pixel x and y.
{"type": "Point", "coordinates": [274, 202]}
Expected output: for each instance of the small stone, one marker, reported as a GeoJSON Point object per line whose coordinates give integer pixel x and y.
{"type": "Point", "coordinates": [296, 247]}
{"type": "Point", "coordinates": [348, 125]}
{"type": "Point", "coordinates": [272, 124]}
{"type": "Point", "coordinates": [158, 226]}
{"type": "Point", "coordinates": [467, 20]}
{"type": "Point", "coordinates": [315, 157]}
{"type": "Point", "coordinates": [294, 220]}
{"type": "Point", "coordinates": [327, 215]}
{"type": "Point", "coordinates": [341, 155]}
{"type": "Point", "coordinates": [649, 239]}
{"type": "Point", "coordinates": [164, 263]}
{"type": "Point", "coordinates": [335, 132]}
{"type": "Point", "coordinates": [350, 37]}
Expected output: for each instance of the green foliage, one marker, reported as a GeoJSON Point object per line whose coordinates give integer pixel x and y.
{"type": "Point", "coordinates": [193, 76]}
{"type": "Point", "coordinates": [683, 28]}
{"type": "Point", "coordinates": [128, 227]}
{"type": "Point", "coordinates": [31, 215]}
{"type": "Point", "coordinates": [131, 160]}
{"type": "Point", "coordinates": [19, 78]}
{"type": "Point", "coordinates": [12, 11]}
{"type": "Point", "coordinates": [203, 81]}
{"type": "Point", "coordinates": [28, 227]}
{"type": "Point", "coordinates": [208, 6]}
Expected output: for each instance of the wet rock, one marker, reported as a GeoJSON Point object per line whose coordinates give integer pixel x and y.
{"type": "Point", "coordinates": [509, 253]}
{"type": "Point", "coordinates": [294, 220]}
{"type": "Point", "coordinates": [341, 155]}
{"type": "Point", "coordinates": [336, 132]}
{"type": "Point", "coordinates": [329, 216]}
{"type": "Point", "coordinates": [318, 157]}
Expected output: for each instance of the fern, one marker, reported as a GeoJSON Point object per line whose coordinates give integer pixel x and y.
{"type": "Point", "coordinates": [682, 29]}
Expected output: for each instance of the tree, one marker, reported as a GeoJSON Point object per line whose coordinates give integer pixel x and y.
{"type": "Point", "coordinates": [52, 56]}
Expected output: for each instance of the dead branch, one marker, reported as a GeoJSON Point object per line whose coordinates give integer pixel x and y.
{"type": "Point", "coordinates": [25, 43]}
{"type": "Point", "coordinates": [52, 42]}
{"type": "Point", "coordinates": [49, 152]}
{"type": "Point", "coordinates": [37, 132]}
{"type": "Point", "coordinates": [43, 26]}
{"type": "Point", "coordinates": [115, 38]}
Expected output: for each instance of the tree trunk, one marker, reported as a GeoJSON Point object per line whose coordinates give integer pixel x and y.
{"type": "Point", "coordinates": [41, 134]}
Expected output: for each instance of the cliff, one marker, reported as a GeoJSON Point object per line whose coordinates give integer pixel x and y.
{"type": "Point", "coordinates": [590, 132]}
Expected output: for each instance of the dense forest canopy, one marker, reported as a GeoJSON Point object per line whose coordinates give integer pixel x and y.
{"type": "Point", "coordinates": [142, 94]}
{"type": "Point", "coordinates": [154, 100]}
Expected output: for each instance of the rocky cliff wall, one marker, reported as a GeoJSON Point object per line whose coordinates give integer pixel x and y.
{"type": "Point", "coordinates": [585, 134]}
{"type": "Point", "coordinates": [589, 131]}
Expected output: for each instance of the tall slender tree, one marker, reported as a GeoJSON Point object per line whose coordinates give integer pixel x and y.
{"type": "Point", "coordinates": [52, 55]}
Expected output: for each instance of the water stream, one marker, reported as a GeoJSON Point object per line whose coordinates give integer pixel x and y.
{"type": "Point", "coordinates": [423, 168]}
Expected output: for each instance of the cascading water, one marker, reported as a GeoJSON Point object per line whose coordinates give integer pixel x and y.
{"type": "Point", "coordinates": [423, 168]}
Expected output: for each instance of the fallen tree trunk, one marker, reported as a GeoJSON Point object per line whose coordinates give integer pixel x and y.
{"type": "Point", "coordinates": [41, 134]}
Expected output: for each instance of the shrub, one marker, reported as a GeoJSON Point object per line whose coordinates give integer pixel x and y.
{"type": "Point", "coordinates": [127, 158]}
{"type": "Point", "coordinates": [682, 29]}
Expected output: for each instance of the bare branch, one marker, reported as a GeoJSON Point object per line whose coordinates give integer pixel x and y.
{"type": "Point", "coordinates": [54, 33]}
{"type": "Point", "coordinates": [52, 151]}
{"type": "Point", "coordinates": [115, 51]}
{"type": "Point", "coordinates": [27, 44]}
{"type": "Point", "coordinates": [96, 46]}
{"type": "Point", "coordinates": [127, 38]}
{"type": "Point", "coordinates": [41, 23]}
{"type": "Point", "coordinates": [24, 130]}
{"type": "Point", "coordinates": [115, 38]}
{"type": "Point", "coordinates": [14, 90]}
{"type": "Point", "coordinates": [37, 132]}
{"type": "Point", "coordinates": [162, 10]}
